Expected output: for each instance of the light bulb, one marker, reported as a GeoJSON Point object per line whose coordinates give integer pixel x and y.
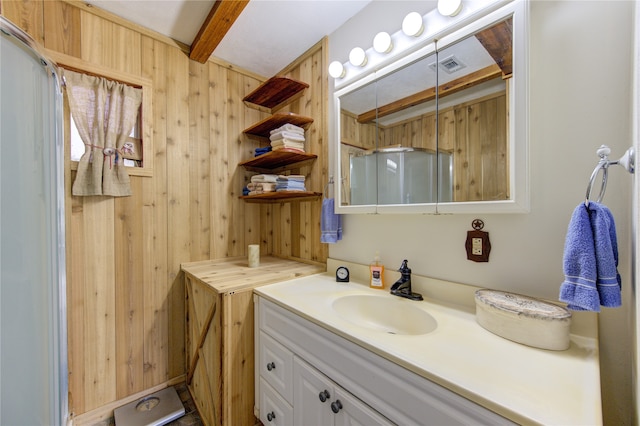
{"type": "Point", "coordinates": [357, 57]}
{"type": "Point", "coordinates": [382, 42]}
{"type": "Point", "coordinates": [412, 24]}
{"type": "Point", "coordinates": [449, 7]}
{"type": "Point", "coordinates": [336, 69]}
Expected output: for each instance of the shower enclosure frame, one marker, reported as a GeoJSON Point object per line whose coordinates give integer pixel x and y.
{"type": "Point", "coordinates": [48, 200]}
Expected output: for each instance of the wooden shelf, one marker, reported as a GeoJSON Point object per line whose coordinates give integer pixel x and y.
{"type": "Point", "coordinates": [263, 128]}
{"type": "Point", "coordinates": [277, 161]}
{"type": "Point", "coordinates": [268, 97]}
{"type": "Point", "coordinates": [282, 196]}
{"type": "Point", "coordinates": [275, 93]}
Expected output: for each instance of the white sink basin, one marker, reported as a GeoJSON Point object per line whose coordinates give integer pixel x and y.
{"type": "Point", "coordinates": [387, 314]}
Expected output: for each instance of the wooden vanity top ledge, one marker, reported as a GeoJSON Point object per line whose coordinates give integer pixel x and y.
{"type": "Point", "coordinates": [233, 274]}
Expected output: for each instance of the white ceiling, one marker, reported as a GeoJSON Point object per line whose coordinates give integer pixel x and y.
{"type": "Point", "coordinates": [268, 35]}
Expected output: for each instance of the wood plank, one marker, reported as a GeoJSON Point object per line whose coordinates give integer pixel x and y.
{"type": "Point", "coordinates": [200, 171]}
{"type": "Point", "coordinates": [279, 160]}
{"type": "Point", "coordinates": [238, 358]}
{"type": "Point", "coordinates": [281, 196]}
{"type": "Point", "coordinates": [61, 24]}
{"type": "Point", "coordinates": [498, 41]}
{"type": "Point", "coordinates": [179, 231]}
{"type": "Point", "coordinates": [220, 19]}
{"type": "Point", "coordinates": [275, 93]}
{"type": "Point", "coordinates": [129, 293]}
{"type": "Point", "coordinates": [99, 298]}
{"type": "Point", "coordinates": [233, 274]}
{"type": "Point", "coordinates": [264, 127]}
{"type": "Point", "coordinates": [219, 147]}
{"type": "Point", "coordinates": [156, 279]}
{"type": "Point", "coordinates": [27, 15]}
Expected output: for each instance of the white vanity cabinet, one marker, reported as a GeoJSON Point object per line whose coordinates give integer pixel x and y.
{"type": "Point", "coordinates": [299, 361]}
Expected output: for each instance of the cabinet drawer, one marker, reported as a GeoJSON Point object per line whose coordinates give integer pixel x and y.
{"type": "Point", "coordinates": [276, 366]}
{"type": "Point", "coordinates": [274, 410]}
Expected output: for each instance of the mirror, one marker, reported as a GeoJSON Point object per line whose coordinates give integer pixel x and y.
{"type": "Point", "coordinates": [442, 129]}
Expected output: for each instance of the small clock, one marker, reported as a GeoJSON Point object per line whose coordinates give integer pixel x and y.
{"type": "Point", "coordinates": [342, 274]}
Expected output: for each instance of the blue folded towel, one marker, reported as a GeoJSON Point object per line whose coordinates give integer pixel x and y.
{"type": "Point", "coordinates": [330, 223]}
{"type": "Point", "coordinates": [591, 260]}
{"type": "Point", "coordinates": [259, 151]}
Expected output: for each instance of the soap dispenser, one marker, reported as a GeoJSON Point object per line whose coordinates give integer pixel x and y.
{"type": "Point", "coordinates": [376, 273]}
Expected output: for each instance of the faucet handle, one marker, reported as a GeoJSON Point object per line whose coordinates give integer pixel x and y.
{"type": "Point", "coordinates": [404, 268]}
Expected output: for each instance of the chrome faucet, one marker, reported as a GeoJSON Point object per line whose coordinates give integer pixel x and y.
{"type": "Point", "coordinates": [402, 287]}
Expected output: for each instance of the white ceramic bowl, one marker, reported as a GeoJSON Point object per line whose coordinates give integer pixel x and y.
{"type": "Point", "coordinates": [523, 319]}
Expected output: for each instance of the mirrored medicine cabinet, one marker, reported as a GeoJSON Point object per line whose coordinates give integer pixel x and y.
{"type": "Point", "coordinates": [442, 129]}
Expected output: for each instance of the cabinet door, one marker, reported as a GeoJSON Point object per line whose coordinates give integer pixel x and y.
{"type": "Point", "coordinates": [310, 389]}
{"type": "Point", "coordinates": [353, 412]}
{"type": "Point", "coordinates": [276, 366]}
{"type": "Point", "coordinates": [274, 410]}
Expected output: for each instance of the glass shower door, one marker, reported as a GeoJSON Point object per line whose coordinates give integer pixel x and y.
{"type": "Point", "coordinates": [33, 359]}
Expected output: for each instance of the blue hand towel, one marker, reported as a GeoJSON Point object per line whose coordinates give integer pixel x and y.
{"type": "Point", "coordinates": [591, 260]}
{"type": "Point", "coordinates": [330, 223]}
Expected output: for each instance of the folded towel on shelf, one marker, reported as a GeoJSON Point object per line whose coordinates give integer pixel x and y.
{"type": "Point", "coordinates": [262, 150]}
{"type": "Point", "coordinates": [330, 223]}
{"type": "Point", "coordinates": [299, 178]}
{"type": "Point", "coordinates": [264, 178]}
{"type": "Point", "coordinates": [262, 186]}
{"type": "Point", "coordinates": [288, 127]}
{"type": "Point", "coordinates": [292, 136]}
{"type": "Point", "coordinates": [290, 183]}
{"type": "Point", "coordinates": [290, 149]}
{"type": "Point", "coordinates": [245, 190]}
{"type": "Point", "coordinates": [590, 260]}
{"type": "Point", "coordinates": [286, 143]}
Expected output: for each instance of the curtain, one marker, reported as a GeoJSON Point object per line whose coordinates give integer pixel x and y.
{"type": "Point", "coordinates": [105, 112]}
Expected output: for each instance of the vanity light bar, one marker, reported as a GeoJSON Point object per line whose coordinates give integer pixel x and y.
{"type": "Point", "coordinates": [412, 26]}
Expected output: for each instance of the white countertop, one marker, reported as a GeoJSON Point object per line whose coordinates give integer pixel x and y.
{"type": "Point", "coordinates": [524, 384]}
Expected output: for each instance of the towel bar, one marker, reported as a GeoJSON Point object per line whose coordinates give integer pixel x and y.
{"type": "Point", "coordinates": [627, 161]}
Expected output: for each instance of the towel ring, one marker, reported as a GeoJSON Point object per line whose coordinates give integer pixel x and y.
{"type": "Point", "coordinates": [627, 161]}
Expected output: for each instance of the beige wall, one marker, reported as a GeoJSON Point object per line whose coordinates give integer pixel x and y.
{"type": "Point", "coordinates": [580, 98]}
{"type": "Point", "coordinates": [125, 290]}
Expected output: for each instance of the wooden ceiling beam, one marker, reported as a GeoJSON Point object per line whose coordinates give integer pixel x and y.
{"type": "Point", "coordinates": [480, 76]}
{"type": "Point", "coordinates": [497, 40]}
{"type": "Point", "coordinates": [220, 19]}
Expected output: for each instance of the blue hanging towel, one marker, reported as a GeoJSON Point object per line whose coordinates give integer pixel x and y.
{"type": "Point", "coordinates": [591, 260]}
{"type": "Point", "coordinates": [330, 223]}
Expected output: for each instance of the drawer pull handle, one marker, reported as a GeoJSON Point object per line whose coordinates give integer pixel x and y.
{"type": "Point", "coordinates": [271, 416]}
{"type": "Point", "coordinates": [324, 395]}
{"type": "Point", "coordinates": [336, 406]}
{"type": "Point", "coordinates": [271, 366]}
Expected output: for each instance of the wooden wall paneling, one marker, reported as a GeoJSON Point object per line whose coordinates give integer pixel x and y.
{"type": "Point", "coordinates": [267, 233]}
{"type": "Point", "coordinates": [76, 312]}
{"type": "Point", "coordinates": [200, 159]}
{"type": "Point", "coordinates": [129, 291]}
{"type": "Point", "coordinates": [219, 163]}
{"type": "Point", "coordinates": [447, 130]}
{"type": "Point", "coordinates": [62, 28]}
{"type": "Point", "coordinates": [99, 297]}
{"type": "Point", "coordinates": [235, 123]}
{"type": "Point", "coordinates": [502, 150]}
{"type": "Point", "coordinates": [252, 211]}
{"type": "Point", "coordinates": [179, 229]}
{"type": "Point", "coordinates": [157, 351]}
{"type": "Point", "coordinates": [111, 45]}
{"type": "Point", "coordinates": [310, 105]}
{"type": "Point", "coordinates": [26, 14]}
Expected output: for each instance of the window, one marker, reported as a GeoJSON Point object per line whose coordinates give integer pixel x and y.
{"type": "Point", "coordinates": [138, 155]}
